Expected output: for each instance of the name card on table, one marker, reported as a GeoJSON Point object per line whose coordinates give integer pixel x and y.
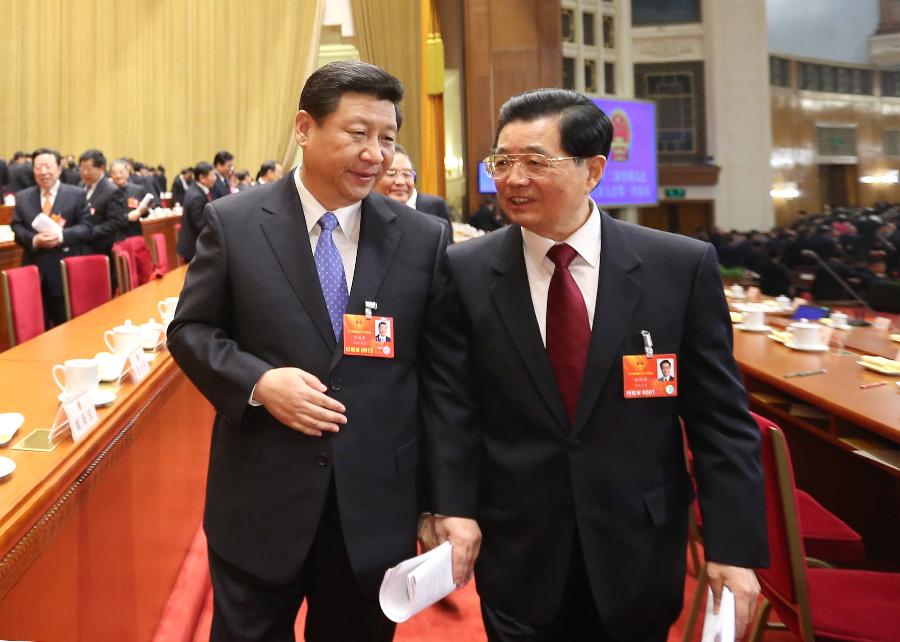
{"type": "Point", "coordinates": [137, 365]}
{"type": "Point", "coordinates": [79, 414]}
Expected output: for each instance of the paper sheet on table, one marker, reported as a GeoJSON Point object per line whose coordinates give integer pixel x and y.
{"type": "Point", "coordinates": [719, 628]}
{"type": "Point", "coordinates": [43, 223]}
{"type": "Point", "coordinates": [417, 583]}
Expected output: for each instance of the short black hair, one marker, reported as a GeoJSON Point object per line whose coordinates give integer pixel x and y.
{"type": "Point", "coordinates": [326, 85]}
{"type": "Point", "coordinates": [222, 157]}
{"type": "Point", "coordinates": [400, 149]}
{"type": "Point", "coordinates": [382, 323]}
{"type": "Point", "coordinates": [46, 150]}
{"type": "Point", "coordinates": [665, 361]}
{"type": "Point", "coordinates": [96, 157]}
{"type": "Point", "coordinates": [18, 154]}
{"type": "Point", "coordinates": [584, 129]}
{"type": "Point", "coordinates": [202, 169]}
{"type": "Point", "coordinates": [187, 169]}
{"type": "Point", "coordinates": [241, 175]}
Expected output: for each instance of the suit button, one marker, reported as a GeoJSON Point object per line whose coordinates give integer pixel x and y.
{"type": "Point", "coordinates": [337, 384]}
{"type": "Point", "coordinates": [322, 459]}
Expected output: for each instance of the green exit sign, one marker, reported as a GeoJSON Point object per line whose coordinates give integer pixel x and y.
{"type": "Point", "coordinates": [674, 192]}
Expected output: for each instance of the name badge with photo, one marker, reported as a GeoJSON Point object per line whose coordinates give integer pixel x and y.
{"type": "Point", "coordinates": [369, 336]}
{"type": "Point", "coordinates": [649, 377]}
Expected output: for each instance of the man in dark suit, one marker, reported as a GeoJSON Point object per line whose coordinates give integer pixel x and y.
{"type": "Point", "coordinates": [109, 217]}
{"type": "Point", "coordinates": [4, 176]}
{"type": "Point", "coordinates": [135, 205]}
{"type": "Point", "coordinates": [312, 489]}
{"type": "Point", "coordinates": [399, 183]}
{"type": "Point", "coordinates": [181, 183]}
{"type": "Point", "coordinates": [223, 161]}
{"type": "Point", "coordinates": [67, 206]}
{"type": "Point", "coordinates": [579, 484]}
{"type": "Point", "coordinates": [70, 171]}
{"type": "Point", "coordinates": [196, 198]}
{"type": "Point", "coordinates": [21, 174]}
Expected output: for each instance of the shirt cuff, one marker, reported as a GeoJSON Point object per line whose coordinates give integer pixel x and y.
{"type": "Point", "coordinates": [252, 401]}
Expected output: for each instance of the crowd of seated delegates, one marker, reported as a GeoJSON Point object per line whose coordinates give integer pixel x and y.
{"type": "Point", "coordinates": [859, 245]}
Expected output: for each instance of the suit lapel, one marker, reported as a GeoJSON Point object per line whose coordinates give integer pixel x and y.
{"type": "Point", "coordinates": [378, 241]}
{"type": "Point", "coordinates": [618, 294]}
{"type": "Point", "coordinates": [285, 229]}
{"type": "Point", "coordinates": [512, 297]}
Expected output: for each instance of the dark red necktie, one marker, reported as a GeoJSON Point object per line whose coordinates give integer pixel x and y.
{"type": "Point", "coordinates": [568, 329]}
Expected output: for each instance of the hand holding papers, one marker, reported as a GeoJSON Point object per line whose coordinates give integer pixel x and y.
{"type": "Point", "coordinates": [417, 583]}
{"type": "Point", "coordinates": [43, 223]}
{"type": "Point", "coordinates": [719, 628]}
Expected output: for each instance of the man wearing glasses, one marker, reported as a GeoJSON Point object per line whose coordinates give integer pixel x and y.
{"type": "Point", "coordinates": [580, 488]}
{"type": "Point", "coordinates": [399, 183]}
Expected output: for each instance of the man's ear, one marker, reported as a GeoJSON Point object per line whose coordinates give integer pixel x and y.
{"type": "Point", "coordinates": [596, 165]}
{"type": "Point", "coordinates": [303, 123]}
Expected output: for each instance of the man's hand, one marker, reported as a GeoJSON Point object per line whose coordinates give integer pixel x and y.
{"type": "Point", "coordinates": [465, 538]}
{"type": "Point", "coordinates": [134, 215]}
{"type": "Point", "coordinates": [298, 400]}
{"type": "Point", "coordinates": [427, 537]}
{"type": "Point", "coordinates": [45, 240]}
{"type": "Point", "coordinates": [740, 581]}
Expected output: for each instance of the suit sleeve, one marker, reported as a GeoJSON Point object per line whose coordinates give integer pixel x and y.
{"type": "Point", "coordinates": [724, 438]}
{"type": "Point", "coordinates": [79, 231]}
{"type": "Point", "coordinates": [23, 231]}
{"type": "Point", "coordinates": [198, 336]}
{"type": "Point", "coordinates": [447, 403]}
{"type": "Point", "coordinates": [194, 213]}
{"type": "Point", "coordinates": [116, 217]}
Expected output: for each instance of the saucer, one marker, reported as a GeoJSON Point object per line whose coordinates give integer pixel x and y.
{"type": "Point", "coordinates": [875, 368]}
{"type": "Point", "coordinates": [100, 398]}
{"type": "Point", "coordinates": [9, 425]}
{"type": "Point", "coordinates": [895, 337]}
{"type": "Point", "coordinates": [818, 347]}
{"type": "Point", "coordinates": [7, 466]}
{"type": "Point", "coordinates": [756, 328]}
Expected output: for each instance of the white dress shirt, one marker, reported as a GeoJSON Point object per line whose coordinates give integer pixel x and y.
{"type": "Point", "coordinates": [585, 267]}
{"type": "Point", "coordinates": [345, 235]}
{"type": "Point", "coordinates": [411, 201]}
{"type": "Point", "coordinates": [54, 190]}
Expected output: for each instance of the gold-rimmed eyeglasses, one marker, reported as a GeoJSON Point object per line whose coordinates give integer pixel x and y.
{"type": "Point", "coordinates": [405, 173]}
{"type": "Point", "coordinates": [534, 165]}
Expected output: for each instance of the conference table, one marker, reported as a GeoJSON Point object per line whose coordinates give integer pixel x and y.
{"type": "Point", "coordinates": [92, 535]}
{"type": "Point", "coordinates": [844, 438]}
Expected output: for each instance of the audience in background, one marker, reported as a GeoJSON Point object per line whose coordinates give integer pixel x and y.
{"type": "Point", "coordinates": [181, 183]}
{"type": "Point", "coordinates": [21, 175]}
{"type": "Point", "coordinates": [119, 172]}
{"type": "Point", "coordinates": [242, 180]}
{"type": "Point", "coordinates": [859, 245]}
{"type": "Point", "coordinates": [269, 172]}
{"type": "Point", "coordinates": [192, 221]}
{"type": "Point", "coordinates": [107, 204]}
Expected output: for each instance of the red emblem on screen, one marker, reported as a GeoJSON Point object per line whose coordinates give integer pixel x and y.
{"type": "Point", "coordinates": [621, 142]}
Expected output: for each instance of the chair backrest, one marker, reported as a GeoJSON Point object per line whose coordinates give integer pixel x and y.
{"type": "Point", "coordinates": [22, 303]}
{"type": "Point", "coordinates": [131, 273]}
{"type": "Point", "coordinates": [160, 251]}
{"type": "Point", "coordinates": [123, 272]}
{"type": "Point", "coordinates": [141, 259]}
{"type": "Point", "coordinates": [86, 283]}
{"type": "Point", "coordinates": [784, 583]}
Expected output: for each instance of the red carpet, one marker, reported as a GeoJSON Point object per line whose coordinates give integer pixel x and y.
{"type": "Point", "coordinates": [188, 615]}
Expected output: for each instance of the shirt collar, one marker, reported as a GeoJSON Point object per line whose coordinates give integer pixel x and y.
{"type": "Point", "coordinates": [411, 202]}
{"type": "Point", "coordinates": [585, 240]}
{"type": "Point", "coordinates": [54, 189]}
{"type": "Point", "coordinates": [348, 217]}
{"type": "Point", "coordinates": [203, 188]}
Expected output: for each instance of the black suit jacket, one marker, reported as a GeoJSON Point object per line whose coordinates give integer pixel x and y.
{"type": "Point", "coordinates": [21, 176]}
{"type": "Point", "coordinates": [4, 176]}
{"type": "Point", "coordinates": [109, 216]}
{"type": "Point", "coordinates": [178, 189]}
{"type": "Point", "coordinates": [192, 222]}
{"type": "Point", "coordinates": [251, 302]}
{"type": "Point", "coordinates": [221, 187]}
{"type": "Point", "coordinates": [134, 193]}
{"type": "Point", "coordinates": [616, 477]}
{"type": "Point", "coordinates": [72, 205]}
{"type": "Point", "coordinates": [436, 206]}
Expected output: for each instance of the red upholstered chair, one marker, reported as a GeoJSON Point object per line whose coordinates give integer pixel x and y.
{"type": "Point", "coordinates": [22, 303]}
{"type": "Point", "coordinates": [825, 535]}
{"type": "Point", "coordinates": [160, 252]}
{"type": "Point", "coordinates": [815, 603]}
{"type": "Point", "coordinates": [123, 269]}
{"type": "Point", "coordinates": [86, 283]}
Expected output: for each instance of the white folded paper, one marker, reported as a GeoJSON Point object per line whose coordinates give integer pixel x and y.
{"type": "Point", "coordinates": [145, 202]}
{"type": "Point", "coordinates": [43, 223]}
{"type": "Point", "coordinates": [417, 583]}
{"type": "Point", "coordinates": [719, 628]}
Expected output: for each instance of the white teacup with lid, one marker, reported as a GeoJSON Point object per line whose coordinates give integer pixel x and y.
{"type": "Point", "coordinates": [805, 334]}
{"type": "Point", "coordinates": [151, 333]}
{"type": "Point", "coordinates": [124, 339]}
{"type": "Point", "coordinates": [80, 375]}
{"type": "Point", "coordinates": [754, 318]}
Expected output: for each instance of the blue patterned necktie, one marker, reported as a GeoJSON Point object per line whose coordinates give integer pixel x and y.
{"type": "Point", "coordinates": [331, 274]}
